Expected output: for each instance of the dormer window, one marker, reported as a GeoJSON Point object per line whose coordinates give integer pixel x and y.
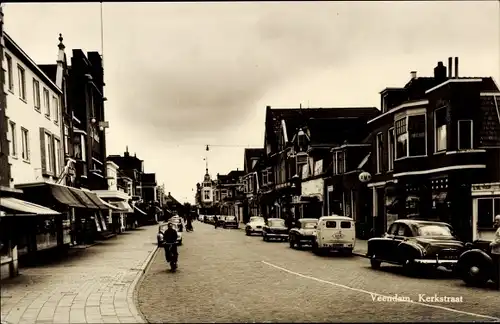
{"type": "Point", "coordinates": [301, 139]}
{"type": "Point", "coordinates": [384, 103]}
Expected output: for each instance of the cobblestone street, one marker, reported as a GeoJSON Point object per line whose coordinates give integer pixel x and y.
{"type": "Point", "coordinates": [94, 285]}
{"type": "Point", "coordinates": [225, 276]}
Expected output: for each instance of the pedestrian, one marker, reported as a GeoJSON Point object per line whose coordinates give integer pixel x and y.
{"type": "Point", "coordinates": [215, 221]}
{"type": "Point", "coordinates": [495, 252]}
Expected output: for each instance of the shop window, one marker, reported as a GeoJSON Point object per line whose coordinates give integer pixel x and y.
{"type": "Point", "coordinates": [487, 208]}
{"type": "Point", "coordinates": [440, 129]}
{"type": "Point", "coordinates": [465, 134]}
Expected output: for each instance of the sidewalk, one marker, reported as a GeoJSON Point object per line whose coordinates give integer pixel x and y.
{"type": "Point", "coordinates": [93, 285]}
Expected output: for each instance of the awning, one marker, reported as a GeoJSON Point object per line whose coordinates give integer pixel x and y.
{"type": "Point", "coordinates": [98, 202]}
{"type": "Point", "coordinates": [140, 211]}
{"type": "Point", "coordinates": [122, 206]}
{"type": "Point", "coordinates": [110, 206]}
{"type": "Point", "coordinates": [83, 198]}
{"type": "Point", "coordinates": [64, 196]}
{"type": "Point", "coordinates": [18, 207]}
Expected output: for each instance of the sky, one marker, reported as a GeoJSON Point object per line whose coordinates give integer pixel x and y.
{"type": "Point", "coordinates": [180, 76]}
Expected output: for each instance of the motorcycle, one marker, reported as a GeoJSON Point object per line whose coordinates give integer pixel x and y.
{"type": "Point", "coordinates": [172, 257]}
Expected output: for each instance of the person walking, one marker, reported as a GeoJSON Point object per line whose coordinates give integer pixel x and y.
{"type": "Point", "coordinates": [216, 221]}
{"type": "Point", "coordinates": [495, 252]}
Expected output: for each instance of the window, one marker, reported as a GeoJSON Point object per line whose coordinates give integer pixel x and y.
{"type": "Point", "coordinates": [401, 138]}
{"type": "Point", "coordinates": [331, 224]}
{"type": "Point", "coordinates": [487, 208]}
{"type": "Point", "coordinates": [36, 94]}
{"type": "Point", "coordinates": [345, 224]}
{"type": "Point", "coordinates": [25, 144]}
{"type": "Point", "coordinates": [206, 195]}
{"type": "Point", "coordinates": [22, 82]}
{"type": "Point", "coordinates": [390, 149]}
{"type": "Point", "coordinates": [12, 139]}
{"type": "Point", "coordinates": [380, 152]}
{"type": "Point", "coordinates": [57, 156]}
{"type": "Point", "coordinates": [49, 149]}
{"type": "Point", "coordinates": [223, 194]}
{"type": "Point", "coordinates": [10, 77]}
{"type": "Point", "coordinates": [46, 102]}
{"type": "Point", "coordinates": [465, 134]}
{"type": "Point", "coordinates": [55, 105]}
{"type": "Point", "coordinates": [416, 133]}
{"type": "Point", "coordinates": [66, 139]}
{"type": "Point", "coordinates": [440, 129]}
{"type": "Point", "coordinates": [264, 178]}
{"type": "Point", "coordinates": [339, 163]}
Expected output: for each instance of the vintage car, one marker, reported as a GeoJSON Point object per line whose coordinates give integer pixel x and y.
{"type": "Point", "coordinates": [177, 220]}
{"type": "Point", "coordinates": [414, 243]}
{"type": "Point", "coordinates": [209, 219]}
{"type": "Point", "coordinates": [220, 220]}
{"type": "Point", "coordinates": [302, 233]}
{"type": "Point", "coordinates": [334, 233]}
{"type": "Point", "coordinates": [230, 222]}
{"type": "Point", "coordinates": [162, 228]}
{"type": "Point", "coordinates": [275, 228]}
{"type": "Point", "coordinates": [475, 265]}
{"type": "Point", "coordinates": [201, 217]}
{"type": "Point", "coordinates": [255, 225]}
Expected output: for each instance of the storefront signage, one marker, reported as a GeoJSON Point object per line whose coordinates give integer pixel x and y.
{"type": "Point", "coordinates": [330, 189]}
{"type": "Point", "coordinates": [364, 177]}
{"type": "Point", "coordinates": [489, 187]}
{"type": "Point", "coordinates": [313, 188]}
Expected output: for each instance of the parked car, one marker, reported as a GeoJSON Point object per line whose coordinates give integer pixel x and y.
{"type": "Point", "coordinates": [220, 220]}
{"type": "Point", "coordinates": [201, 217]}
{"type": "Point", "coordinates": [162, 228]}
{"type": "Point", "coordinates": [255, 225]}
{"type": "Point", "coordinates": [334, 233]}
{"type": "Point", "coordinates": [230, 222]}
{"type": "Point", "coordinates": [303, 232]}
{"type": "Point", "coordinates": [475, 265]}
{"type": "Point", "coordinates": [209, 219]}
{"type": "Point", "coordinates": [414, 243]}
{"type": "Point", "coordinates": [275, 228]}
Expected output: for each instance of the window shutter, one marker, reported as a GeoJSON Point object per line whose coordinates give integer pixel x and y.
{"type": "Point", "coordinates": [53, 154]}
{"type": "Point", "coordinates": [42, 150]}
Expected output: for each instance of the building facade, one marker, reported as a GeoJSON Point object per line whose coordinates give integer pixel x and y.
{"type": "Point", "coordinates": [436, 139]}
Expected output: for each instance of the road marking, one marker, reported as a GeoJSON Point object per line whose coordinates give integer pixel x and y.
{"type": "Point", "coordinates": [376, 294]}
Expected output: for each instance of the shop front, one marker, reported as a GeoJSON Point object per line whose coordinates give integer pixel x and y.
{"type": "Point", "coordinates": [312, 193]}
{"type": "Point", "coordinates": [485, 206]}
{"type": "Point", "coordinates": [25, 228]}
{"type": "Point", "coordinates": [119, 215]}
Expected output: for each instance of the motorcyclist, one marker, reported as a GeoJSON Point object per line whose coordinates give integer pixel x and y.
{"type": "Point", "coordinates": [170, 239]}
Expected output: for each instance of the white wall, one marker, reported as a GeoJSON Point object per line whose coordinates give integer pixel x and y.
{"type": "Point", "coordinates": [24, 115]}
{"type": "Point", "coordinates": [112, 176]}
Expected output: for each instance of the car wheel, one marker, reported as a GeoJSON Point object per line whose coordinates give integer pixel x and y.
{"type": "Point", "coordinates": [247, 232]}
{"type": "Point", "coordinates": [375, 264]}
{"type": "Point", "coordinates": [475, 272]}
{"type": "Point", "coordinates": [315, 248]}
{"type": "Point", "coordinates": [264, 238]}
{"type": "Point", "coordinates": [292, 243]}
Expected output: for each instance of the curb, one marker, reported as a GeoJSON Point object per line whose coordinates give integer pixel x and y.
{"type": "Point", "coordinates": [131, 291]}
{"type": "Point", "coordinates": [360, 254]}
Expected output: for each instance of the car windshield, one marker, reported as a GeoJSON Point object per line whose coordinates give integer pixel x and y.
{"type": "Point", "coordinates": [256, 219]}
{"type": "Point", "coordinates": [277, 223]}
{"type": "Point", "coordinates": [434, 230]}
{"type": "Point", "coordinates": [309, 225]}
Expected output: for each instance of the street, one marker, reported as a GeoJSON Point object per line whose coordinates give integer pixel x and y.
{"type": "Point", "coordinates": [225, 276]}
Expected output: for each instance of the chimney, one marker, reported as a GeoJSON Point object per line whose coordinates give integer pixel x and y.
{"type": "Point", "coordinates": [413, 74]}
{"type": "Point", "coordinates": [440, 72]}
{"type": "Point", "coordinates": [456, 67]}
{"type": "Point", "coordinates": [450, 67]}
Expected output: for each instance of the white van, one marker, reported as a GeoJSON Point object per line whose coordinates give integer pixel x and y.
{"type": "Point", "coordinates": [337, 233]}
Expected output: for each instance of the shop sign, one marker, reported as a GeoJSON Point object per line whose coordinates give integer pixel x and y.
{"type": "Point", "coordinates": [329, 188]}
{"type": "Point", "coordinates": [364, 176]}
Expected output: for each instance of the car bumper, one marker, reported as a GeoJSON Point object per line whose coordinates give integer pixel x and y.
{"type": "Point", "coordinates": [254, 230]}
{"type": "Point", "coordinates": [337, 246]}
{"type": "Point", "coordinates": [305, 239]}
{"type": "Point", "coordinates": [437, 262]}
{"type": "Point", "coordinates": [277, 235]}
{"type": "Point", "coordinates": [231, 224]}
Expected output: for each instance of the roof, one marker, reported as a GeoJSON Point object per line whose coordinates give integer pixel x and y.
{"type": "Point", "coordinates": [320, 130]}
{"type": "Point", "coordinates": [249, 154]}
{"type": "Point", "coordinates": [419, 222]}
{"type": "Point", "coordinates": [50, 70]}
{"type": "Point", "coordinates": [335, 217]}
{"type": "Point", "coordinates": [297, 117]}
{"type": "Point", "coordinates": [308, 219]}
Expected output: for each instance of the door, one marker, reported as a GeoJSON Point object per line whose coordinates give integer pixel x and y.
{"type": "Point", "coordinates": [402, 233]}
{"type": "Point", "coordinates": [384, 251]}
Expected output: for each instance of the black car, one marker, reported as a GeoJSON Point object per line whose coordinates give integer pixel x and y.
{"type": "Point", "coordinates": [230, 222]}
{"type": "Point", "coordinates": [275, 228]}
{"type": "Point", "coordinates": [413, 243]}
{"type": "Point", "coordinates": [475, 265]}
{"type": "Point", "coordinates": [302, 232]}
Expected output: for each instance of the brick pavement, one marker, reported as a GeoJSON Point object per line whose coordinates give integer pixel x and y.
{"type": "Point", "coordinates": [95, 285]}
